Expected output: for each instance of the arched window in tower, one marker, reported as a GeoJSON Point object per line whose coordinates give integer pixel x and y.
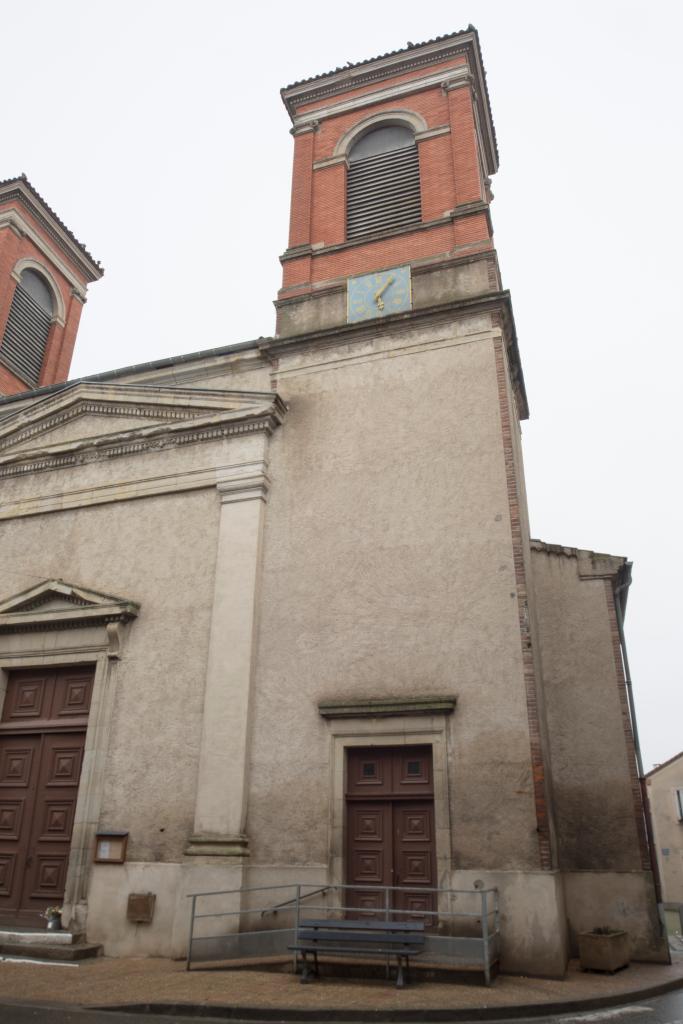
{"type": "Point", "coordinates": [28, 325]}
{"type": "Point", "coordinates": [383, 183]}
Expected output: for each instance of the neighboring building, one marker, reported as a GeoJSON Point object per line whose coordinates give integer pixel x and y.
{"type": "Point", "coordinates": [665, 791]}
{"type": "Point", "coordinates": [264, 599]}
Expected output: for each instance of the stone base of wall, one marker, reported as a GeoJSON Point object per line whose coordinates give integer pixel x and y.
{"type": "Point", "coordinates": [541, 912]}
{"type": "Point", "coordinates": [620, 900]}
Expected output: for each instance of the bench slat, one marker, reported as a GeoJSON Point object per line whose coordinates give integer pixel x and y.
{"type": "Point", "coordinates": [372, 925]}
{"type": "Point", "coordinates": [378, 952]}
{"type": "Point", "coordinates": [353, 938]}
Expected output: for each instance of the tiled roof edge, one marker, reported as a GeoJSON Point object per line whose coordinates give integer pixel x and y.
{"type": "Point", "coordinates": [92, 265]}
{"type": "Point", "coordinates": [319, 80]}
{"type": "Point", "coordinates": [154, 364]}
{"type": "Point", "coordinates": [381, 56]}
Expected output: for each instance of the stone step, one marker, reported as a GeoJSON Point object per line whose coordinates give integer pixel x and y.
{"type": "Point", "coordinates": [38, 937]}
{"type": "Point", "coordinates": [54, 951]}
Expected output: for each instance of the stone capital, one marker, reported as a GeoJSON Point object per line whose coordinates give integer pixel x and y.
{"type": "Point", "coordinates": [252, 486]}
{"type": "Point", "coordinates": [217, 846]}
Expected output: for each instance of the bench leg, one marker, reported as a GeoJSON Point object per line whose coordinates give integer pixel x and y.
{"type": "Point", "coordinates": [400, 980]}
{"type": "Point", "coordinates": [306, 973]}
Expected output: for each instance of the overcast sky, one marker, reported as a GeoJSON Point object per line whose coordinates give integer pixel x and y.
{"type": "Point", "coordinates": [156, 131]}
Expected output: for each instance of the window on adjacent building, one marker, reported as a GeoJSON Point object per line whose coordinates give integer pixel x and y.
{"type": "Point", "coordinates": [679, 803]}
{"type": "Point", "coordinates": [28, 325]}
{"type": "Point", "coordinates": [383, 183]}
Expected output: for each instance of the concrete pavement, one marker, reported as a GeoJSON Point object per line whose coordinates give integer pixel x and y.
{"type": "Point", "coordinates": [272, 994]}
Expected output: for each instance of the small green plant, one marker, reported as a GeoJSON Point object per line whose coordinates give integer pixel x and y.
{"type": "Point", "coordinates": [51, 912]}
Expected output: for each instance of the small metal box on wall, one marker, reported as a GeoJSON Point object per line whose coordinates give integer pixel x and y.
{"type": "Point", "coordinates": [141, 907]}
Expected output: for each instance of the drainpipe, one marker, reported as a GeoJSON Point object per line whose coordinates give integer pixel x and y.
{"type": "Point", "coordinates": [634, 727]}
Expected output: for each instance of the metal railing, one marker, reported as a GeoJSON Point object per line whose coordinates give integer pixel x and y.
{"type": "Point", "coordinates": [227, 925]}
{"type": "Point", "coordinates": [287, 903]}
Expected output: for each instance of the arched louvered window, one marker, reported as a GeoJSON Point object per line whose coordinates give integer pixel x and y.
{"type": "Point", "coordinates": [383, 183]}
{"type": "Point", "coordinates": [28, 325]}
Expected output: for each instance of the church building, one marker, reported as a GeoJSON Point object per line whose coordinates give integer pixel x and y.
{"type": "Point", "coordinates": [270, 613]}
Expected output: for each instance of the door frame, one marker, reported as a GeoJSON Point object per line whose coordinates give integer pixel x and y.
{"type": "Point", "coordinates": [90, 631]}
{"type": "Point", "coordinates": [89, 800]}
{"type": "Point", "coordinates": [392, 731]}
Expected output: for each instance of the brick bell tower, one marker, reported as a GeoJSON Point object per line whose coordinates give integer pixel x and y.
{"type": "Point", "coordinates": [44, 275]}
{"type": "Point", "coordinates": [391, 252]}
{"type": "Point", "coordinates": [390, 193]}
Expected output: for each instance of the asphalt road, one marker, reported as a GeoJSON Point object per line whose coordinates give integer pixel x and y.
{"type": "Point", "coordinates": [667, 1009]}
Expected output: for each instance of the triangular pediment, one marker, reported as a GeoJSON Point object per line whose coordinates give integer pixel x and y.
{"type": "Point", "coordinates": [55, 603]}
{"type": "Point", "coordinates": [94, 415]}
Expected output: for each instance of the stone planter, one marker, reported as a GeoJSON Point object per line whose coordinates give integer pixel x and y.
{"type": "Point", "coordinates": [603, 951]}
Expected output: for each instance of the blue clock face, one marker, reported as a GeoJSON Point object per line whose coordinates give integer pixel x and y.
{"type": "Point", "coordinates": [379, 294]}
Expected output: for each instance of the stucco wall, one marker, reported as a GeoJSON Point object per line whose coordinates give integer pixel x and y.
{"type": "Point", "coordinates": [594, 807]}
{"type": "Point", "coordinates": [160, 553]}
{"type": "Point", "coordinates": [388, 570]}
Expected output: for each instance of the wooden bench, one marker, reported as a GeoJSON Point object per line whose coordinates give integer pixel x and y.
{"type": "Point", "coordinates": [371, 938]}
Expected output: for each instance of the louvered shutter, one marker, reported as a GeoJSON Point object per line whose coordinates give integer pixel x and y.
{"type": "Point", "coordinates": [383, 191]}
{"type": "Point", "coordinates": [25, 337]}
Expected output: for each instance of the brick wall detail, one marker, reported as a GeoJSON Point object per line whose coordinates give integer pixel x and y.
{"type": "Point", "coordinates": [530, 682]}
{"type": "Point", "coordinates": [449, 174]}
{"type": "Point", "coordinates": [62, 337]}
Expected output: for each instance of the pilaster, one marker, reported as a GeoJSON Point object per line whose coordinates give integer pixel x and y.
{"type": "Point", "coordinates": [221, 804]}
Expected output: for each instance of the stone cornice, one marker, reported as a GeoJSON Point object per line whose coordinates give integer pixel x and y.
{"type": "Point", "coordinates": [401, 63]}
{"type": "Point", "coordinates": [136, 442]}
{"type": "Point", "coordinates": [465, 210]}
{"type": "Point", "coordinates": [19, 191]}
{"type": "Point", "coordinates": [181, 416]}
{"type": "Point", "coordinates": [29, 611]}
{"type": "Point", "coordinates": [425, 265]}
{"type": "Point", "coordinates": [457, 75]}
{"type": "Point", "coordinates": [387, 706]}
{"type": "Point", "coordinates": [494, 302]}
{"type": "Point", "coordinates": [322, 90]}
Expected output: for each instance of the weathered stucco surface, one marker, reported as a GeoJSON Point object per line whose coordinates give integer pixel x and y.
{"type": "Point", "coordinates": [620, 900]}
{"type": "Point", "coordinates": [589, 758]}
{"type": "Point", "coordinates": [168, 570]}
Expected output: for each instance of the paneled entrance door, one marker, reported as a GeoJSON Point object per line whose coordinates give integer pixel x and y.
{"type": "Point", "coordinates": [390, 828]}
{"type": "Point", "coordinates": [42, 736]}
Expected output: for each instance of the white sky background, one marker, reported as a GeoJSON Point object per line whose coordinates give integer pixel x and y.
{"type": "Point", "coordinates": [156, 132]}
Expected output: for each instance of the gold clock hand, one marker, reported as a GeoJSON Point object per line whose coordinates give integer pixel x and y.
{"type": "Point", "coordinates": [380, 293]}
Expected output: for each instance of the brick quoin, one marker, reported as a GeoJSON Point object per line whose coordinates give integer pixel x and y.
{"type": "Point", "coordinates": [537, 762]}
{"type": "Point", "coordinates": [300, 215]}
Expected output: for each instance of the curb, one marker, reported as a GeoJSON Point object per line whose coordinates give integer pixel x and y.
{"type": "Point", "coordinates": [510, 1012]}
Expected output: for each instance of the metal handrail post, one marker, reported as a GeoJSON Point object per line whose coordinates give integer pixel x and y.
{"type": "Point", "coordinates": [191, 936]}
{"type": "Point", "coordinates": [485, 935]}
{"type": "Point", "coordinates": [297, 912]}
{"type": "Point", "coordinates": [496, 912]}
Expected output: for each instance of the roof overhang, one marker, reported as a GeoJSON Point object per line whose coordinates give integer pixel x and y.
{"type": "Point", "coordinates": [324, 90]}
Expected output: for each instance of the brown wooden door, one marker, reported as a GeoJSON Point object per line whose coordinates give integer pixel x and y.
{"type": "Point", "coordinates": [42, 737]}
{"type": "Point", "coordinates": [390, 837]}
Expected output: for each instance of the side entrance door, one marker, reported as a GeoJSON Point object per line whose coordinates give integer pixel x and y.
{"type": "Point", "coordinates": [390, 829]}
{"type": "Point", "coordinates": [42, 738]}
